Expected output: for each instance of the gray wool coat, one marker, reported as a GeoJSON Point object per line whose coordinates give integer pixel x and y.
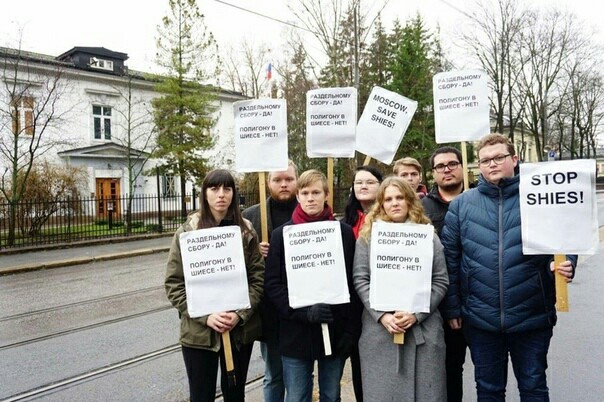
{"type": "Point", "coordinates": [414, 371]}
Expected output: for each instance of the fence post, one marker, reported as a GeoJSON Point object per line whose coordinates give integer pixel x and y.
{"type": "Point", "coordinates": [159, 217]}
{"type": "Point", "coordinates": [194, 199]}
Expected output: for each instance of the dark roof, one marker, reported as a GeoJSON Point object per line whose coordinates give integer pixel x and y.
{"type": "Point", "coordinates": [99, 51]}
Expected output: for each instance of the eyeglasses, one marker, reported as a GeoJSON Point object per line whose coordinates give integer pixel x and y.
{"type": "Point", "coordinates": [366, 182]}
{"type": "Point", "coordinates": [451, 165]}
{"type": "Point", "coordinates": [487, 161]}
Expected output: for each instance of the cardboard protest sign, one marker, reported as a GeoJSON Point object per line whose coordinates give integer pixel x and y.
{"type": "Point", "coordinates": [331, 119]}
{"type": "Point", "coordinates": [461, 106]}
{"type": "Point", "coordinates": [314, 263]}
{"type": "Point", "coordinates": [401, 266]}
{"type": "Point", "coordinates": [214, 269]}
{"type": "Point", "coordinates": [260, 130]}
{"type": "Point", "coordinates": [383, 124]}
{"type": "Point", "coordinates": [558, 207]}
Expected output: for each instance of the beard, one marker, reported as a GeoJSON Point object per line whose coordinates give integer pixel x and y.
{"type": "Point", "coordinates": [449, 186]}
{"type": "Point", "coordinates": [283, 197]}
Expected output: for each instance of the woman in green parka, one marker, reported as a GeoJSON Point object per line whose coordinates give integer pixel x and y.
{"type": "Point", "coordinates": [201, 337]}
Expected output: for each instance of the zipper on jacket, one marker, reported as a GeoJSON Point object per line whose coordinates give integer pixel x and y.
{"type": "Point", "coordinates": [500, 259]}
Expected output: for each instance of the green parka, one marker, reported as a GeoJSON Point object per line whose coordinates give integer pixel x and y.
{"type": "Point", "coordinates": [194, 332]}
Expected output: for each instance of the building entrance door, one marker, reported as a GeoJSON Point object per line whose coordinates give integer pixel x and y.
{"type": "Point", "coordinates": [108, 197]}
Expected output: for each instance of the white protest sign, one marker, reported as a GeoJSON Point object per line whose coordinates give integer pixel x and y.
{"type": "Point", "coordinates": [383, 124]}
{"type": "Point", "coordinates": [331, 119]}
{"type": "Point", "coordinates": [315, 265]}
{"type": "Point", "coordinates": [214, 269]}
{"type": "Point", "coordinates": [558, 207]}
{"type": "Point", "coordinates": [461, 106]}
{"type": "Point", "coordinates": [260, 130]}
{"type": "Point", "coordinates": [401, 266]}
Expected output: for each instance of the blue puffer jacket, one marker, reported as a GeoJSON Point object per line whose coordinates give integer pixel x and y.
{"type": "Point", "coordinates": [493, 286]}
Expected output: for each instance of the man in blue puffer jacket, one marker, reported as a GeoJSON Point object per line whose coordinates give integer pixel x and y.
{"type": "Point", "coordinates": [505, 299]}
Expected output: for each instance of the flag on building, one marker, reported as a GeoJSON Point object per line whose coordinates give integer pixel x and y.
{"type": "Point", "coordinates": [269, 71]}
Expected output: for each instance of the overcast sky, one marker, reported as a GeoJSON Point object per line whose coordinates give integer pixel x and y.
{"type": "Point", "coordinates": [129, 26]}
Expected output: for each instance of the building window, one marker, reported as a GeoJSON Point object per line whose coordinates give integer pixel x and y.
{"type": "Point", "coordinates": [101, 64]}
{"type": "Point", "coordinates": [102, 122]}
{"type": "Point", "coordinates": [169, 187]}
{"type": "Point", "coordinates": [22, 111]}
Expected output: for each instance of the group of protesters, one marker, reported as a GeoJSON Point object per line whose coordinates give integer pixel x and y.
{"type": "Point", "coordinates": [485, 293]}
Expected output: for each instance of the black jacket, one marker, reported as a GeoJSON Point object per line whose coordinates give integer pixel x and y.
{"type": "Point", "coordinates": [299, 338]}
{"type": "Point", "coordinates": [435, 208]}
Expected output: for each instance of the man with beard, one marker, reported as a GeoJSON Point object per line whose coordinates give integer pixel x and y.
{"type": "Point", "coordinates": [279, 207]}
{"type": "Point", "coordinates": [448, 176]}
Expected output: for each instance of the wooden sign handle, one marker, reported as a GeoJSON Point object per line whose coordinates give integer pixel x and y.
{"type": "Point", "coordinates": [263, 216]}
{"type": "Point", "coordinates": [464, 160]}
{"type": "Point", "coordinates": [561, 285]}
{"type": "Point", "coordinates": [326, 340]}
{"type": "Point", "coordinates": [228, 355]}
{"type": "Point", "coordinates": [367, 160]}
{"type": "Point", "coordinates": [399, 339]}
{"type": "Point", "coordinates": [330, 181]}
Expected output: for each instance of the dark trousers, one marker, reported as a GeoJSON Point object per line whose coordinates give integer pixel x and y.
{"type": "Point", "coordinates": [355, 366]}
{"type": "Point", "coordinates": [202, 371]}
{"type": "Point", "coordinates": [455, 359]}
{"type": "Point", "coordinates": [528, 351]}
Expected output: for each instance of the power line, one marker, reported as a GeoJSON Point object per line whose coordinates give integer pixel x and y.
{"type": "Point", "coordinates": [264, 16]}
{"type": "Point", "coordinates": [459, 10]}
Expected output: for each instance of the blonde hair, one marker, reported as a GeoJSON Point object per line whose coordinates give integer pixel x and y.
{"type": "Point", "coordinates": [311, 176]}
{"type": "Point", "coordinates": [416, 210]}
{"type": "Point", "coordinates": [408, 161]}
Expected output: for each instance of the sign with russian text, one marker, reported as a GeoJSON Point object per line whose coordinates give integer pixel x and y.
{"type": "Point", "coordinates": [331, 120]}
{"type": "Point", "coordinates": [260, 130]}
{"type": "Point", "coordinates": [461, 106]}
{"type": "Point", "coordinates": [558, 207]}
{"type": "Point", "coordinates": [401, 266]}
{"type": "Point", "coordinates": [315, 265]}
{"type": "Point", "coordinates": [214, 269]}
{"type": "Point", "coordinates": [383, 124]}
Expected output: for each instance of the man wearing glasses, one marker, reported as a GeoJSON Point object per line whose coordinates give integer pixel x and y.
{"type": "Point", "coordinates": [448, 176]}
{"type": "Point", "coordinates": [503, 300]}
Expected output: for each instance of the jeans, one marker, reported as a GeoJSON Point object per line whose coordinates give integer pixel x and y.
{"type": "Point", "coordinates": [528, 351]}
{"type": "Point", "coordinates": [298, 379]}
{"type": "Point", "coordinates": [455, 359]}
{"type": "Point", "coordinates": [273, 388]}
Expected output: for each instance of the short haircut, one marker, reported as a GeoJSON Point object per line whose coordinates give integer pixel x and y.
{"type": "Point", "coordinates": [446, 150]}
{"type": "Point", "coordinates": [408, 161]}
{"type": "Point", "coordinates": [494, 139]}
{"type": "Point", "coordinates": [290, 163]}
{"type": "Point", "coordinates": [309, 177]}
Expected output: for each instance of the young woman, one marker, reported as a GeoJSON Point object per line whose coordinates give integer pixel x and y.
{"type": "Point", "coordinates": [414, 371]}
{"type": "Point", "coordinates": [365, 185]}
{"type": "Point", "coordinates": [201, 337]}
{"type": "Point", "coordinates": [300, 339]}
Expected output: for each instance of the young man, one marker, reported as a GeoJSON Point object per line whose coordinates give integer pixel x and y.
{"type": "Point", "coordinates": [504, 300]}
{"type": "Point", "coordinates": [410, 169]}
{"type": "Point", "coordinates": [279, 208]}
{"type": "Point", "coordinates": [448, 176]}
{"type": "Point", "coordinates": [300, 336]}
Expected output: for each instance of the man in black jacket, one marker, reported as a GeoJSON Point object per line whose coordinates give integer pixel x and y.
{"type": "Point", "coordinates": [448, 176]}
{"type": "Point", "coordinates": [279, 207]}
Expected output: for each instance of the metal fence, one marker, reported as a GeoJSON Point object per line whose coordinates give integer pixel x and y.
{"type": "Point", "coordinates": [80, 219]}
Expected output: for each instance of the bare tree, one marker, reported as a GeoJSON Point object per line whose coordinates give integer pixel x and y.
{"type": "Point", "coordinates": [245, 68]}
{"type": "Point", "coordinates": [138, 134]}
{"type": "Point", "coordinates": [494, 39]}
{"type": "Point", "coordinates": [550, 39]}
{"type": "Point", "coordinates": [31, 113]}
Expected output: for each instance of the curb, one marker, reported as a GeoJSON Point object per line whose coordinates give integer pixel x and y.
{"type": "Point", "coordinates": [81, 260]}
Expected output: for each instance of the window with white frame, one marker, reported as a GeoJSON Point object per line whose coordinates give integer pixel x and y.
{"type": "Point", "coordinates": [101, 64]}
{"type": "Point", "coordinates": [169, 186]}
{"type": "Point", "coordinates": [22, 111]}
{"type": "Point", "coordinates": [101, 116]}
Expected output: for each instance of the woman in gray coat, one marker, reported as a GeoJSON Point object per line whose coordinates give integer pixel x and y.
{"type": "Point", "coordinates": [415, 370]}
